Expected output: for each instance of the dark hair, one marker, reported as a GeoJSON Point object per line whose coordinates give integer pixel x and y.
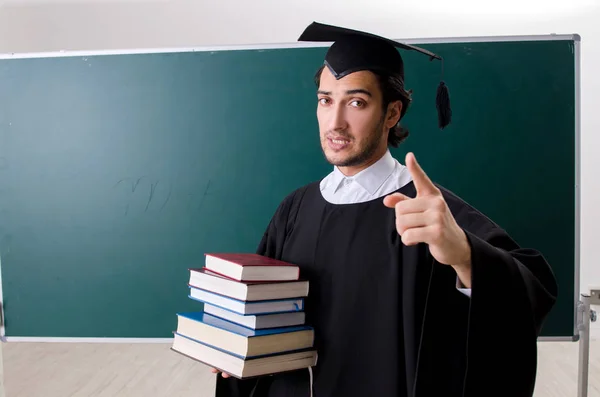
{"type": "Point", "coordinates": [392, 89]}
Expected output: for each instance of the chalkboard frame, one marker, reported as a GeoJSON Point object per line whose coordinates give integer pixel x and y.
{"type": "Point", "coordinates": [417, 41]}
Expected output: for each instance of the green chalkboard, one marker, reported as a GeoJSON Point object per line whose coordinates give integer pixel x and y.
{"type": "Point", "coordinates": [119, 171]}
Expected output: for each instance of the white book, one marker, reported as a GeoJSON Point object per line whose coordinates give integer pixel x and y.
{"type": "Point", "coordinates": [247, 290]}
{"type": "Point", "coordinates": [245, 308]}
{"type": "Point", "coordinates": [257, 321]}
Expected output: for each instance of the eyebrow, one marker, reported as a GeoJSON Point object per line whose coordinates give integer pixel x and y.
{"type": "Point", "coordinates": [349, 92]}
{"type": "Point", "coordinates": [359, 91]}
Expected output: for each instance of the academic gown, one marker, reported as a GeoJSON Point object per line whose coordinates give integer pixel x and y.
{"type": "Point", "coordinates": [389, 319]}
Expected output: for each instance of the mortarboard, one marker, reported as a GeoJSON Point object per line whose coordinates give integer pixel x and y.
{"type": "Point", "coordinates": [354, 50]}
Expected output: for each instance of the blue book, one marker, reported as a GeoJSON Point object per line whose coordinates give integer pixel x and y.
{"type": "Point", "coordinates": [242, 341]}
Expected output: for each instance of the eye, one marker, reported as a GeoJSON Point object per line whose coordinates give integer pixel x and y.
{"type": "Point", "coordinates": [357, 103]}
{"type": "Point", "coordinates": [323, 101]}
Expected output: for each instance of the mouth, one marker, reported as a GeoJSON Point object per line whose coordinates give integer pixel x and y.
{"type": "Point", "coordinates": [338, 143]}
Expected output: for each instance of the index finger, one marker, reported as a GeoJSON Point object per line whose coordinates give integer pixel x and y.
{"type": "Point", "coordinates": [423, 184]}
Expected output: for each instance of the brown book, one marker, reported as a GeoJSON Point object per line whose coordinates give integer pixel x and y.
{"type": "Point", "coordinates": [251, 267]}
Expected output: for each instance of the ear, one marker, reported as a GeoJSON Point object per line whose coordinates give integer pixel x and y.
{"type": "Point", "coordinates": [394, 111]}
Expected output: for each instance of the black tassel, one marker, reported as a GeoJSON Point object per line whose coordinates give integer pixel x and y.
{"type": "Point", "coordinates": [442, 102]}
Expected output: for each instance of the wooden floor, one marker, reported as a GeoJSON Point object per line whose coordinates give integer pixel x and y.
{"type": "Point", "coordinates": [135, 370]}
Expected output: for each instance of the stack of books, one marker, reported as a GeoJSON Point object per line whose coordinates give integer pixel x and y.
{"type": "Point", "coordinates": [253, 321]}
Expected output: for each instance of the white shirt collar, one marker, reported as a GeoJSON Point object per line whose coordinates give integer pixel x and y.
{"type": "Point", "coordinates": [371, 178]}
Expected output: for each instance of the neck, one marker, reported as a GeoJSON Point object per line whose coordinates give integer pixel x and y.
{"type": "Point", "coordinates": [353, 170]}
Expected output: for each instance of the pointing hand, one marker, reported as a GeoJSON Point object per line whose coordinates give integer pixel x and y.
{"type": "Point", "coordinates": [427, 219]}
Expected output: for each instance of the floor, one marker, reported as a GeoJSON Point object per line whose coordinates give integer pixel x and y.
{"type": "Point", "coordinates": [135, 370]}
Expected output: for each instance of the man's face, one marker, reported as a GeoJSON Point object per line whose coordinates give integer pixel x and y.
{"type": "Point", "coordinates": [353, 127]}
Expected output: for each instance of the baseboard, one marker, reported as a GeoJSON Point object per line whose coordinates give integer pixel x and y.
{"type": "Point", "coordinates": [594, 335]}
{"type": "Point", "coordinates": [10, 339]}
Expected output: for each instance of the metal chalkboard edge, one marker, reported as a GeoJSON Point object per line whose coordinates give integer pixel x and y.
{"type": "Point", "coordinates": [475, 39]}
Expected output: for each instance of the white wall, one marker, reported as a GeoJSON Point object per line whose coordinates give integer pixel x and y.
{"type": "Point", "coordinates": [51, 25]}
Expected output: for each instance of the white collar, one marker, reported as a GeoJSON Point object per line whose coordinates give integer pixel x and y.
{"type": "Point", "coordinates": [372, 177]}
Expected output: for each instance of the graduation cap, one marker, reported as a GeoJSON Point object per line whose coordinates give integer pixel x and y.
{"type": "Point", "coordinates": [353, 50]}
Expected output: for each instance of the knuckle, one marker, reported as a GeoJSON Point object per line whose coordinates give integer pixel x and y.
{"type": "Point", "coordinates": [438, 218]}
{"type": "Point", "coordinates": [400, 227]}
{"type": "Point", "coordinates": [406, 240]}
{"type": "Point", "coordinates": [439, 203]}
{"type": "Point", "coordinates": [399, 208]}
{"type": "Point", "coordinates": [437, 232]}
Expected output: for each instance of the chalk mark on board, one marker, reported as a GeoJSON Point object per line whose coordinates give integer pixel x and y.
{"type": "Point", "coordinates": [152, 188]}
{"type": "Point", "coordinates": [133, 187]}
{"type": "Point", "coordinates": [133, 184]}
{"type": "Point", "coordinates": [168, 197]}
{"type": "Point", "coordinates": [204, 195]}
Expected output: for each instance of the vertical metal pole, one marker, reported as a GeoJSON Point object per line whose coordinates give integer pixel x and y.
{"type": "Point", "coordinates": [584, 345]}
{"type": "Point", "coordinates": [2, 335]}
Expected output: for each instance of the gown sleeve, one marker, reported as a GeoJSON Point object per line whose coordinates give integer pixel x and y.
{"type": "Point", "coordinates": [512, 291]}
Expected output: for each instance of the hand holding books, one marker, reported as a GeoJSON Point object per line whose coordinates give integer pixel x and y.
{"type": "Point", "coordinates": [223, 374]}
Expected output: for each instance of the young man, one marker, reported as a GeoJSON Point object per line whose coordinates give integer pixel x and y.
{"type": "Point", "coordinates": [413, 291]}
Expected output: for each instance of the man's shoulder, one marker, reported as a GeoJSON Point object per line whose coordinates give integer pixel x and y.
{"type": "Point", "coordinates": [466, 215]}
{"type": "Point", "coordinates": [292, 199]}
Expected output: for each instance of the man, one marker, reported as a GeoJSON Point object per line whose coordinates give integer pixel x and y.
{"type": "Point", "coordinates": [413, 292]}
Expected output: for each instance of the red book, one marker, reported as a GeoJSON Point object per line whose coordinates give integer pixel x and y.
{"type": "Point", "coordinates": [251, 267]}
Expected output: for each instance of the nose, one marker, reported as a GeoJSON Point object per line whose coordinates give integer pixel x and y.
{"type": "Point", "coordinates": [337, 118]}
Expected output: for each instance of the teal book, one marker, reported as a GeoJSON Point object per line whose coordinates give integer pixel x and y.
{"type": "Point", "coordinates": [242, 341]}
{"type": "Point", "coordinates": [243, 367]}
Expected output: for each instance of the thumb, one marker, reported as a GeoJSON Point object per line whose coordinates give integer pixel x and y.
{"type": "Point", "coordinates": [393, 199]}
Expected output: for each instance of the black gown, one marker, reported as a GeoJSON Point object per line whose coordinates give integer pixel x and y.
{"type": "Point", "coordinates": [389, 320]}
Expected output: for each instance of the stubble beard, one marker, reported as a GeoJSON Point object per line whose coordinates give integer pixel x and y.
{"type": "Point", "coordinates": [367, 152]}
